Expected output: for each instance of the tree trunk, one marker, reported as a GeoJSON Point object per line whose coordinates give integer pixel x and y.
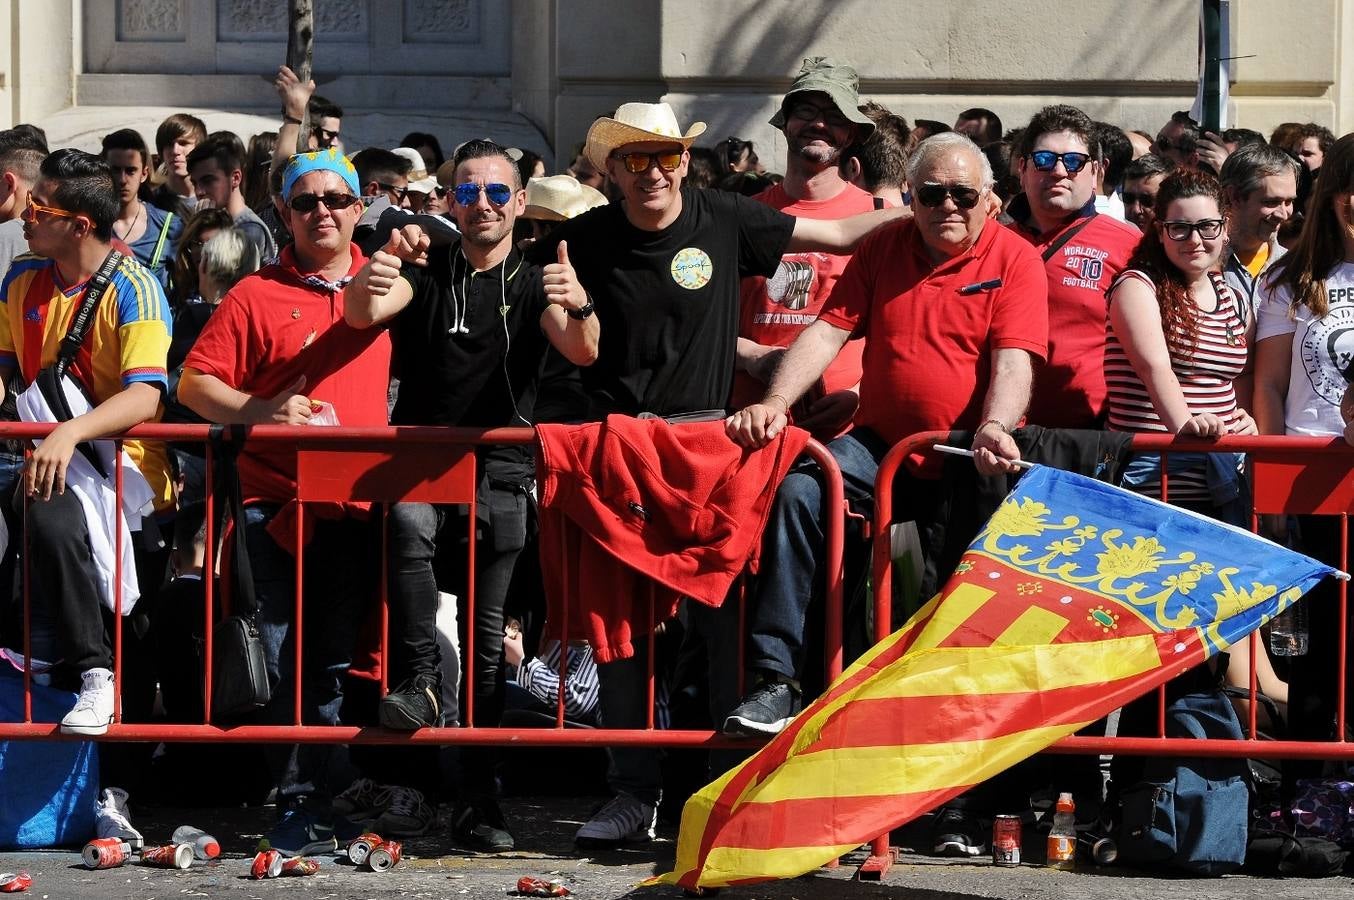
{"type": "Point", "coordinates": [300, 50]}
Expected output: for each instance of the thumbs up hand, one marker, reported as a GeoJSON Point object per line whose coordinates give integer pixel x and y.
{"type": "Point", "coordinates": [561, 282]}
{"type": "Point", "coordinates": [384, 267]}
{"type": "Point", "coordinates": [411, 246]}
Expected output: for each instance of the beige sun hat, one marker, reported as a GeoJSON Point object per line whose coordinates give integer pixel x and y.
{"type": "Point", "coordinates": [557, 198]}
{"type": "Point", "coordinates": [418, 168]}
{"type": "Point", "coordinates": [636, 123]}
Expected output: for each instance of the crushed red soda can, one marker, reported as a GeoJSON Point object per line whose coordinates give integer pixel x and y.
{"type": "Point", "coordinates": [360, 847]}
{"type": "Point", "coordinates": [106, 853]}
{"type": "Point", "coordinates": [267, 864]}
{"type": "Point", "coordinates": [385, 856]}
{"type": "Point", "coordinates": [170, 856]}
{"type": "Point", "coordinates": [299, 865]}
{"type": "Point", "coordinates": [15, 882]}
{"type": "Point", "coordinates": [539, 887]}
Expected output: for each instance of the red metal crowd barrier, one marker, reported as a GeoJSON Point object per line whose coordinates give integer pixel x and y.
{"type": "Point", "coordinates": [1290, 476]}
{"type": "Point", "coordinates": [382, 466]}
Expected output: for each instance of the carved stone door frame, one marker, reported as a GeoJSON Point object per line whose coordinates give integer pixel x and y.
{"type": "Point", "coordinates": [354, 37]}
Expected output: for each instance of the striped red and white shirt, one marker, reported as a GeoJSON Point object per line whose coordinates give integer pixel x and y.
{"type": "Point", "coordinates": [1205, 372]}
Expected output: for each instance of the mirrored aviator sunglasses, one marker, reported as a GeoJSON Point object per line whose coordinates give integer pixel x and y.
{"type": "Point", "coordinates": [307, 203]}
{"type": "Point", "coordinates": [1045, 160]}
{"type": "Point", "coordinates": [638, 163]}
{"type": "Point", "coordinates": [933, 195]}
{"type": "Point", "coordinates": [467, 194]}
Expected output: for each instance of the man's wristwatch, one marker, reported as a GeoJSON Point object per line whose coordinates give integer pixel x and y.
{"type": "Point", "coordinates": [582, 312]}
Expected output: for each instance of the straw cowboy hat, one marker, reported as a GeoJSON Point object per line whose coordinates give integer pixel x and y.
{"type": "Point", "coordinates": [636, 123]}
{"type": "Point", "coordinates": [557, 198]}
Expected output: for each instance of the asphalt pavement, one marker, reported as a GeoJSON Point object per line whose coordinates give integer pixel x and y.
{"type": "Point", "coordinates": [544, 827]}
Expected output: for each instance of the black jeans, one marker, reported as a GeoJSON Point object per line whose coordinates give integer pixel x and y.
{"type": "Point", "coordinates": [65, 583]}
{"type": "Point", "coordinates": [430, 540]}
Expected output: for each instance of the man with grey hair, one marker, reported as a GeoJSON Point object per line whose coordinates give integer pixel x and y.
{"type": "Point", "coordinates": [953, 309]}
{"type": "Point", "coordinates": [1260, 183]}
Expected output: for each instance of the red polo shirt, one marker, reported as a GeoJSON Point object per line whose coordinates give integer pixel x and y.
{"type": "Point", "coordinates": [1070, 391]}
{"type": "Point", "coordinates": [928, 346]}
{"type": "Point", "coordinates": [273, 327]}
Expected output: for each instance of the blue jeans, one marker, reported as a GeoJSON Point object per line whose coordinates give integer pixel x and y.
{"type": "Point", "coordinates": [793, 545]}
{"type": "Point", "coordinates": [341, 572]}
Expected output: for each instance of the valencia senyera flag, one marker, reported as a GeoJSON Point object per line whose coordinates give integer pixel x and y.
{"type": "Point", "coordinates": [1075, 598]}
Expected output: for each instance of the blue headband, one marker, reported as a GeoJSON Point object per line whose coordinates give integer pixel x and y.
{"type": "Point", "coordinates": [319, 161]}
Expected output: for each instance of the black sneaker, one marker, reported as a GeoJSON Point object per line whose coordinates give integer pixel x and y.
{"type": "Point", "coordinates": [956, 833]}
{"type": "Point", "coordinates": [767, 710]}
{"type": "Point", "coordinates": [413, 705]}
{"type": "Point", "coordinates": [479, 825]}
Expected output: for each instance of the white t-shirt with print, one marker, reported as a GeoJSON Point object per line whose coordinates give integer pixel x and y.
{"type": "Point", "coordinates": [1322, 349]}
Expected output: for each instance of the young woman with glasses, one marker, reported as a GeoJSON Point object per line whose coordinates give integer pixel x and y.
{"type": "Point", "coordinates": [1176, 348]}
{"type": "Point", "coordinates": [1175, 357]}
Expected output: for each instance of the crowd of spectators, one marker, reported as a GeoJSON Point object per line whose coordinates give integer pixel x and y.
{"type": "Point", "coordinates": [882, 279]}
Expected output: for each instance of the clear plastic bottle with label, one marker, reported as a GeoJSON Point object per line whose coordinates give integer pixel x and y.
{"type": "Point", "coordinates": [1288, 632]}
{"type": "Point", "coordinates": [1062, 840]}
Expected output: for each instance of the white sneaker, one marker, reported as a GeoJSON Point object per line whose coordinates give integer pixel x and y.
{"type": "Point", "coordinates": [625, 820]}
{"type": "Point", "coordinates": [111, 820]}
{"type": "Point", "coordinates": [93, 710]}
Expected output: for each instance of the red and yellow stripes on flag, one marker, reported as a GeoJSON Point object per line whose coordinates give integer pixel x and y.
{"type": "Point", "coordinates": [958, 695]}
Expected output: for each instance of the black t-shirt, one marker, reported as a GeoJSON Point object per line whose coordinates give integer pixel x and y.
{"type": "Point", "coordinates": [667, 301]}
{"type": "Point", "coordinates": [468, 345]}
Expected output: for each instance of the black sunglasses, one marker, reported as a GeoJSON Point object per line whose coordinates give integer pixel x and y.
{"type": "Point", "coordinates": [932, 195]}
{"type": "Point", "coordinates": [399, 192]}
{"type": "Point", "coordinates": [1045, 160]}
{"type": "Point", "coordinates": [307, 203]}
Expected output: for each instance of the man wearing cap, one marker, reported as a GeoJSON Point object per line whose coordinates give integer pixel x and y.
{"type": "Point", "coordinates": [469, 331]}
{"type": "Point", "coordinates": [820, 117]}
{"type": "Point", "coordinates": [276, 351]}
{"type": "Point", "coordinates": [421, 183]}
{"type": "Point", "coordinates": [663, 268]}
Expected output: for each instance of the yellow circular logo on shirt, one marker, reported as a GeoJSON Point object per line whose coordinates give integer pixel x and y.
{"type": "Point", "coordinates": [691, 268]}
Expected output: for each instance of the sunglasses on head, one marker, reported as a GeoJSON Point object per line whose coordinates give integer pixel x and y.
{"type": "Point", "coordinates": [307, 203]}
{"type": "Point", "coordinates": [638, 163]}
{"type": "Point", "coordinates": [1046, 160]}
{"type": "Point", "coordinates": [932, 195]}
{"type": "Point", "coordinates": [469, 193]}
{"type": "Point", "coordinates": [1208, 229]}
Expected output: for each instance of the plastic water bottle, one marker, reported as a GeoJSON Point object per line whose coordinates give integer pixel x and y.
{"type": "Point", "coordinates": [204, 845]}
{"type": "Point", "coordinates": [1062, 840]}
{"type": "Point", "coordinates": [1288, 632]}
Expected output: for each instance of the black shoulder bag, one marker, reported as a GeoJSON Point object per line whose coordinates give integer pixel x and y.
{"type": "Point", "coordinates": [49, 379]}
{"type": "Point", "coordinates": [239, 675]}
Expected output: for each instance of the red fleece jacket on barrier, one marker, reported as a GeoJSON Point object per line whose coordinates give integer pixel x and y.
{"type": "Point", "coordinates": [630, 506]}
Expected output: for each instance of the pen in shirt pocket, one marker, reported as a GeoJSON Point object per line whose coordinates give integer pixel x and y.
{"type": "Point", "coordinates": [979, 286]}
